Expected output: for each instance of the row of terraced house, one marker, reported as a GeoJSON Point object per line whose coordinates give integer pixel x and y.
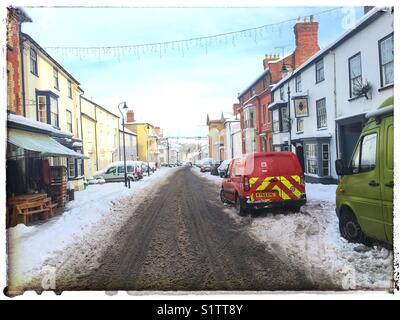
{"type": "Point", "coordinates": [50, 123]}
{"type": "Point", "coordinates": [313, 101]}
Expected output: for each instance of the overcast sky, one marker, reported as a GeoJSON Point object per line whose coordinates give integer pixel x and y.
{"type": "Point", "coordinates": [177, 89]}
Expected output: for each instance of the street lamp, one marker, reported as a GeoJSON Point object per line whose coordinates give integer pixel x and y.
{"type": "Point", "coordinates": [284, 71]}
{"type": "Point", "coordinates": [148, 167]}
{"type": "Point", "coordinates": [125, 108]}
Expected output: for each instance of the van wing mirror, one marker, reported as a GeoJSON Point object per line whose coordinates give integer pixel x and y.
{"type": "Point", "coordinates": [341, 169]}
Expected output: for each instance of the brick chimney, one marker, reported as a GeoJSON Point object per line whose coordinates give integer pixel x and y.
{"type": "Point", "coordinates": [157, 131]}
{"type": "Point", "coordinates": [275, 71]}
{"type": "Point", "coordinates": [306, 33]}
{"type": "Point", "coordinates": [130, 116]}
{"type": "Point", "coordinates": [236, 109]}
{"type": "Point", "coordinates": [268, 58]}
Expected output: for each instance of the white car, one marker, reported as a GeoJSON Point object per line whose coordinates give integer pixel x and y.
{"type": "Point", "coordinates": [114, 172]}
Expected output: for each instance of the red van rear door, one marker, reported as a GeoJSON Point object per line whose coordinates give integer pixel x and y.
{"type": "Point", "coordinates": [290, 177]}
{"type": "Point", "coordinates": [263, 179]}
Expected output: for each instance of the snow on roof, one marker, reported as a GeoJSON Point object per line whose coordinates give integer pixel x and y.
{"type": "Point", "coordinates": [77, 144]}
{"type": "Point", "coordinates": [36, 124]}
{"type": "Point", "coordinates": [275, 103]}
{"type": "Point", "coordinates": [348, 33]}
{"type": "Point", "coordinates": [314, 135]}
{"type": "Point", "coordinates": [126, 130]}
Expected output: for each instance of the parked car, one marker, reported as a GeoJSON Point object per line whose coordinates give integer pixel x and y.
{"type": "Point", "coordinates": [114, 172]}
{"type": "Point", "coordinates": [223, 167]}
{"type": "Point", "coordinates": [214, 167]}
{"type": "Point", "coordinates": [364, 196]}
{"type": "Point", "coordinates": [264, 180]}
{"type": "Point", "coordinates": [206, 165]}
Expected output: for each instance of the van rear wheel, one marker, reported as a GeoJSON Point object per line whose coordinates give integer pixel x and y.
{"type": "Point", "coordinates": [240, 210]}
{"type": "Point", "coordinates": [350, 228]}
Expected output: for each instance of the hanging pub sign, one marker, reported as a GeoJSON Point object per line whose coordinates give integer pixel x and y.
{"type": "Point", "coordinates": [301, 107]}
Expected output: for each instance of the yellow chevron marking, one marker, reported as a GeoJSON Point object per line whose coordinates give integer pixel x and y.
{"type": "Point", "coordinates": [263, 185]}
{"type": "Point", "coordinates": [296, 178]}
{"type": "Point", "coordinates": [290, 187]}
{"type": "Point", "coordinates": [278, 189]}
{"type": "Point", "coordinates": [252, 181]}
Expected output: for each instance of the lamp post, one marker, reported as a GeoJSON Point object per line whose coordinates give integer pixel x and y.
{"type": "Point", "coordinates": [148, 167]}
{"type": "Point", "coordinates": [125, 107]}
{"type": "Point", "coordinates": [284, 71]}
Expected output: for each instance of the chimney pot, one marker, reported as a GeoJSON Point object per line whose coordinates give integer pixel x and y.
{"type": "Point", "coordinates": [130, 116]}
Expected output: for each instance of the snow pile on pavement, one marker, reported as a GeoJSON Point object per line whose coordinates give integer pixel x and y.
{"type": "Point", "coordinates": [29, 247]}
{"type": "Point", "coordinates": [312, 239]}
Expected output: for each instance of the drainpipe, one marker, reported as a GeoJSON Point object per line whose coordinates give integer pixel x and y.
{"type": "Point", "coordinates": [335, 105]}
{"type": "Point", "coordinates": [80, 120]}
{"type": "Point", "coordinates": [95, 139]}
{"type": "Point", "coordinates": [23, 73]}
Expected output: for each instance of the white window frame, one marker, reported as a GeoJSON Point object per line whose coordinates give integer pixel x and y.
{"type": "Point", "coordinates": [355, 77]}
{"type": "Point", "coordinates": [319, 71]}
{"type": "Point", "coordinates": [320, 115]}
{"type": "Point", "coordinates": [33, 61]}
{"type": "Point", "coordinates": [383, 64]}
{"type": "Point", "coordinates": [298, 121]}
{"type": "Point", "coordinates": [298, 83]}
{"type": "Point", "coordinates": [326, 160]}
{"type": "Point", "coordinates": [311, 154]}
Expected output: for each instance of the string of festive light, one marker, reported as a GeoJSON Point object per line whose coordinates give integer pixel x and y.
{"type": "Point", "coordinates": [162, 48]}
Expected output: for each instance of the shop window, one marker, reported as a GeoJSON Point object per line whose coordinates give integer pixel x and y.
{"type": "Point", "coordinates": [311, 158]}
{"type": "Point", "coordinates": [325, 159]}
{"type": "Point", "coordinates": [71, 168]}
{"type": "Point", "coordinates": [78, 167]}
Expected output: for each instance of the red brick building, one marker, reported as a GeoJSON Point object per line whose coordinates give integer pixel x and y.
{"type": "Point", "coordinates": [15, 16]}
{"type": "Point", "coordinates": [255, 118]}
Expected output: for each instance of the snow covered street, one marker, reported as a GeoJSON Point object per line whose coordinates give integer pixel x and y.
{"type": "Point", "coordinates": [312, 239]}
{"type": "Point", "coordinates": [79, 233]}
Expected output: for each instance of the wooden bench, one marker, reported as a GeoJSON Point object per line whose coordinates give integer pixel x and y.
{"type": "Point", "coordinates": [25, 211]}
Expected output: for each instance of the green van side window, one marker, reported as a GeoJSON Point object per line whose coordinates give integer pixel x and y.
{"type": "Point", "coordinates": [364, 159]}
{"type": "Point", "coordinates": [389, 147]}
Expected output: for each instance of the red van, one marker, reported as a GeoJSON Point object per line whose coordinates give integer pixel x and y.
{"type": "Point", "coordinates": [264, 180]}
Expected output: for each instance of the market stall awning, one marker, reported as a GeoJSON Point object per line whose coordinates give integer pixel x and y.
{"type": "Point", "coordinates": [42, 143]}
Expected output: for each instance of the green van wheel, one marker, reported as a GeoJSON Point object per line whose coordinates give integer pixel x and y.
{"type": "Point", "coordinates": [350, 228]}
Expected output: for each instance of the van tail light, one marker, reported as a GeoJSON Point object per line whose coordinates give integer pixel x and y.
{"type": "Point", "coordinates": [302, 181]}
{"type": "Point", "coordinates": [246, 183]}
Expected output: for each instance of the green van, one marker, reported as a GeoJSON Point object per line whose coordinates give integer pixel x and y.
{"type": "Point", "coordinates": [364, 196]}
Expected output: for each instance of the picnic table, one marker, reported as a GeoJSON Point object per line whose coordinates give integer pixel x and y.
{"type": "Point", "coordinates": [22, 208]}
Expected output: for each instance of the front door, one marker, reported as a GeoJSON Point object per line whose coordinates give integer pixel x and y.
{"type": "Point", "coordinates": [300, 154]}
